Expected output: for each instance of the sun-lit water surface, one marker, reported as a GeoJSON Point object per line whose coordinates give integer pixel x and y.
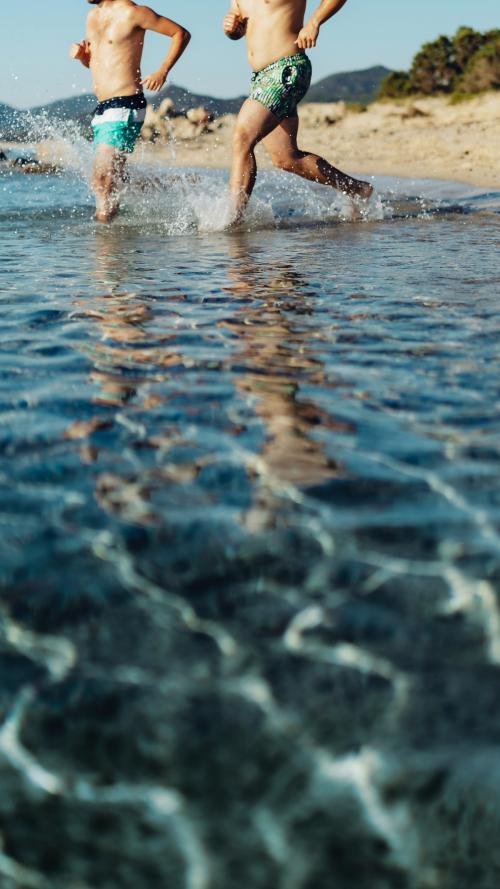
{"type": "Point", "coordinates": [250, 546]}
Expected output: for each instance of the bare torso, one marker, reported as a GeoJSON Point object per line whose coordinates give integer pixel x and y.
{"type": "Point", "coordinates": [272, 29]}
{"type": "Point", "coordinates": [116, 44]}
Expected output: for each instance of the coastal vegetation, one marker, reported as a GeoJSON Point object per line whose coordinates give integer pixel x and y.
{"type": "Point", "coordinates": [467, 63]}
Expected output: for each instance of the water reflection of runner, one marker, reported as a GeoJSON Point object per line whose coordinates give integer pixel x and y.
{"type": "Point", "coordinates": [138, 366]}
{"type": "Point", "coordinates": [129, 364]}
{"type": "Point", "coordinates": [278, 360]}
{"type": "Point", "coordinates": [121, 353]}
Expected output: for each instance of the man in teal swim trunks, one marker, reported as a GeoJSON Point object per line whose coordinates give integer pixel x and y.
{"type": "Point", "coordinates": [277, 39]}
{"type": "Point", "coordinates": [113, 52]}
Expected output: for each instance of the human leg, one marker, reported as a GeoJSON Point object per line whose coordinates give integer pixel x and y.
{"type": "Point", "coordinates": [281, 144]}
{"type": "Point", "coordinates": [108, 177]}
{"type": "Point", "coordinates": [117, 123]}
{"type": "Point", "coordinates": [254, 122]}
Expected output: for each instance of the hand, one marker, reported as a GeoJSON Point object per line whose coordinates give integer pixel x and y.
{"type": "Point", "coordinates": [233, 26]}
{"type": "Point", "coordinates": [79, 51]}
{"type": "Point", "coordinates": [308, 36]}
{"type": "Point", "coordinates": [155, 81]}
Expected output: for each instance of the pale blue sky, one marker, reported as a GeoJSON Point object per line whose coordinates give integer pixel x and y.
{"type": "Point", "coordinates": [34, 67]}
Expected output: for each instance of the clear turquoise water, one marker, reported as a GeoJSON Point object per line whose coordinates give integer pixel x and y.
{"type": "Point", "coordinates": [250, 548]}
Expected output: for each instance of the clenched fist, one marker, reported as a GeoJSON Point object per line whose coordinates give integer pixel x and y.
{"type": "Point", "coordinates": [234, 26]}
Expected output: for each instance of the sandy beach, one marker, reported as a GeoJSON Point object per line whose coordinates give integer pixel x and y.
{"type": "Point", "coordinates": [424, 138]}
{"type": "Point", "coordinates": [427, 138]}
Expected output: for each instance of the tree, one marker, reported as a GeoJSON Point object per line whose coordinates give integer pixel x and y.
{"type": "Point", "coordinates": [468, 62]}
{"type": "Point", "coordinates": [466, 42]}
{"type": "Point", "coordinates": [395, 85]}
{"type": "Point", "coordinates": [482, 71]}
{"type": "Point", "coordinates": [434, 68]}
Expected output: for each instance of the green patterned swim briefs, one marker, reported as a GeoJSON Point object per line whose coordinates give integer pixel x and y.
{"type": "Point", "coordinates": [282, 85]}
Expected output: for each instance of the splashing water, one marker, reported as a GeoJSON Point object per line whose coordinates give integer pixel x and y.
{"type": "Point", "coordinates": [189, 201]}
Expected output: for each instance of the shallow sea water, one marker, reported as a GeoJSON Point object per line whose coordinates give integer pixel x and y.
{"type": "Point", "coordinates": [250, 539]}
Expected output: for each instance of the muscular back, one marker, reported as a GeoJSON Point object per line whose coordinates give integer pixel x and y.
{"type": "Point", "coordinates": [116, 44]}
{"type": "Point", "coordinates": [272, 28]}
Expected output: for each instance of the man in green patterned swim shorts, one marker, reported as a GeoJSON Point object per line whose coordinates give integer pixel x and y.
{"type": "Point", "coordinates": [281, 85]}
{"type": "Point", "coordinates": [277, 39]}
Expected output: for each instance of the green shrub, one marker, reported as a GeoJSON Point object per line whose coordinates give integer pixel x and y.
{"type": "Point", "coordinates": [458, 97]}
{"type": "Point", "coordinates": [468, 62]}
{"type": "Point", "coordinates": [356, 107]}
{"type": "Point", "coordinates": [482, 71]}
{"type": "Point", "coordinates": [395, 85]}
{"type": "Point", "coordinates": [434, 68]}
{"type": "Point", "coordinates": [466, 42]}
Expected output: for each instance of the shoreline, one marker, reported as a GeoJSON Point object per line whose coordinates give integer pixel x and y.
{"type": "Point", "coordinates": [427, 138]}
{"type": "Point", "coordinates": [423, 138]}
{"type": "Point", "coordinates": [409, 171]}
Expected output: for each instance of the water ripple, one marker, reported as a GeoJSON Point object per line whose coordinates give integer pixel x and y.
{"type": "Point", "coordinates": [250, 549]}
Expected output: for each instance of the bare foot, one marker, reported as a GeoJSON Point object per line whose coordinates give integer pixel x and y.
{"type": "Point", "coordinates": [105, 216]}
{"type": "Point", "coordinates": [233, 223]}
{"type": "Point", "coordinates": [235, 213]}
{"type": "Point", "coordinates": [354, 212]}
{"type": "Point", "coordinates": [363, 190]}
{"type": "Point", "coordinates": [359, 198]}
{"type": "Point", "coordinates": [359, 205]}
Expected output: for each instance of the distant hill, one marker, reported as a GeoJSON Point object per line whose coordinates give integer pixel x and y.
{"type": "Point", "coordinates": [75, 108]}
{"type": "Point", "coordinates": [184, 100]}
{"type": "Point", "coordinates": [354, 86]}
{"type": "Point", "coordinates": [6, 112]}
{"type": "Point", "coordinates": [79, 108]}
{"type": "Point", "coordinates": [12, 125]}
{"type": "Point", "coordinates": [16, 124]}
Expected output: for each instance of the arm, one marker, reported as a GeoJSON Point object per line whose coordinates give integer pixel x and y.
{"type": "Point", "coordinates": [234, 24]}
{"type": "Point", "coordinates": [149, 20]}
{"type": "Point", "coordinates": [309, 34]}
{"type": "Point", "coordinates": [81, 52]}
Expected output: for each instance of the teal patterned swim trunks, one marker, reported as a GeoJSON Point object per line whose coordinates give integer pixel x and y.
{"type": "Point", "coordinates": [118, 122]}
{"type": "Point", "coordinates": [282, 85]}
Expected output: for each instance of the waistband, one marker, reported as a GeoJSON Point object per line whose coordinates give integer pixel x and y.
{"type": "Point", "coordinates": [287, 60]}
{"type": "Point", "coordinates": [133, 102]}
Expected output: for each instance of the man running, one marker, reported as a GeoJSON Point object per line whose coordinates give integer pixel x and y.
{"type": "Point", "coordinates": [113, 52]}
{"type": "Point", "coordinates": [277, 39]}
